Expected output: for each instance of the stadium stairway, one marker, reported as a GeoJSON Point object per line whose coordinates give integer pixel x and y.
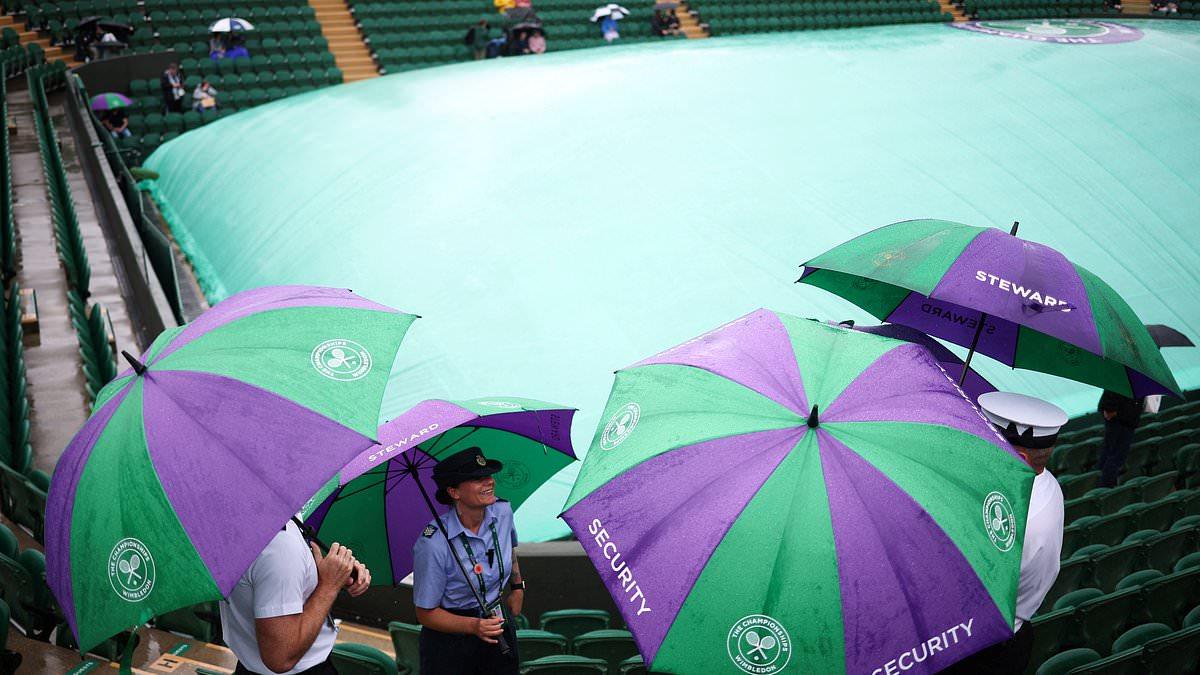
{"type": "Point", "coordinates": [1135, 7]}
{"type": "Point", "coordinates": [57, 402]}
{"type": "Point", "coordinates": [345, 41]}
{"type": "Point", "coordinates": [953, 10]}
{"type": "Point", "coordinates": [689, 24]}
{"type": "Point", "coordinates": [28, 36]}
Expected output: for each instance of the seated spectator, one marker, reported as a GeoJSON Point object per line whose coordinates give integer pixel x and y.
{"type": "Point", "coordinates": [673, 21]}
{"type": "Point", "coordinates": [204, 97]}
{"type": "Point", "coordinates": [496, 47]}
{"type": "Point", "coordinates": [237, 48]}
{"type": "Point", "coordinates": [503, 6]}
{"type": "Point", "coordinates": [172, 88]}
{"type": "Point", "coordinates": [537, 42]}
{"type": "Point", "coordinates": [477, 39]}
{"type": "Point", "coordinates": [117, 123]}
{"type": "Point", "coordinates": [520, 44]}
{"type": "Point", "coordinates": [1114, 5]}
{"type": "Point", "coordinates": [660, 23]}
{"type": "Point", "coordinates": [216, 47]}
{"type": "Point", "coordinates": [608, 28]}
{"type": "Point", "coordinates": [104, 44]}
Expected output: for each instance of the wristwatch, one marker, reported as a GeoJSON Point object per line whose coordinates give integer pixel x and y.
{"type": "Point", "coordinates": [517, 586]}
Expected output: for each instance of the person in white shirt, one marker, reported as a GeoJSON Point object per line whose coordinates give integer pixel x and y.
{"type": "Point", "coordinates": [1031, 425]}
{"type": "Point", "coordinates": [276, 619]}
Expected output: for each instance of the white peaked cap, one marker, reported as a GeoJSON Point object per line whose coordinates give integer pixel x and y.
{"type": "Point", "coordinates": [1027, 413]}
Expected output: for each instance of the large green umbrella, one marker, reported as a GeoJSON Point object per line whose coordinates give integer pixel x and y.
{"type": "Point", "coordinates": [375, 504]}
{"type": "Point", "coordinates": [782, 495]}
{"type": "Point", "coordinates": [193, 460]}
{"type": "Point", "coordinates": [1017, 301]}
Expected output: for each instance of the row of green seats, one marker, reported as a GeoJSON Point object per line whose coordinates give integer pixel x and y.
{"type": "Point", "coordinates": [1040, 13]}
{"type": "Point", "coordinates": [220, 5]}
{"type": "Point", "coordinates": [8, 226]}
{"type": "Point", "coordinates": [29, 603]}
{"type": "Point", "coordinates": [1103, 501]}
{"type": "Point", "coordinates": [197, 31]}
{"type": "Point", "coordinates": [1150, 453]}
{"type": "Point", "coordinates": [763, 10]}
{"type": "Point", "coordinates": [744, 25]}
{"type": "Point", "coordinates": [255, 15]}
{"type": "Point", "coordinates": [1119, 527]}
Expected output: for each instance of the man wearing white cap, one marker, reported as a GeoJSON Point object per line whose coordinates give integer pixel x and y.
{"type": "Point", "coordinates": [1032, 426]}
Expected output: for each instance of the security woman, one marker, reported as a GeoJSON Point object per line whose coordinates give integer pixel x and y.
{"type": "Point", "coordinates": [472, 557]}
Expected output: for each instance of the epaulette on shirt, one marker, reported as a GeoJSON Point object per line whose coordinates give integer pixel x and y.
{"type": "Point", "coordinates": [428, 531]}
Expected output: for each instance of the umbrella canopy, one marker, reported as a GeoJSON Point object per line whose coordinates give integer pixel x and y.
{"type": "Point", "coordinates": [1165, 336]}
{"type": "Point", "coordinates": [611, 9]}
{"type": "Point", "coordinates": [110, 100]}
{"type": "Point", "coordinates": [230, 25]}
{"type": "Point", "coordinates": [781, 490]}
{"type": "Point", "coordinates": [192, 462]}
{"type": "Point", "coordinates": [375, 506]}
{"type": "Point", "coordinates": [1042, 312]}
{"type": "Point", "coordinates": [973, 385]}
{"type": "Point", "coordinates": [666, 5]}
{"type": "Point", "coordinates": [519, 15]}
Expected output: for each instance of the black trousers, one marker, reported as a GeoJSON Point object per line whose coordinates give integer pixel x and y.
{"type": "Point", "coordinates": [325, 668]}
{"type": "Point", "coordinates": [457, 654]}
{"type": "Point", "coordinates": [1117, 440]}
{"type": "Point", "coordinates": [1010, 657]}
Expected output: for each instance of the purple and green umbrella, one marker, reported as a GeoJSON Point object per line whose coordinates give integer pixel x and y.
{"type": "Point", "coordinates": [110, 100]}
{"type": "Point", "coordinates": [1019, 302]}
{"type": "Point", "coordinates": [375, 504]}
{"type": "Point", "coordinates": [783, 495]}
{"type": "Point", "coordinates": [972, 383]}
{"type": "Point", "coordinates": [193, 460]}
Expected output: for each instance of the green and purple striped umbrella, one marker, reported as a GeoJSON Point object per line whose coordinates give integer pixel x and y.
{"type": "Point", "coordinates": [110, 100]}
{"type": "Point", "coordinates": [1043, 312]}
{"type": "Point", "coordinates": [191, 463]}
{"type": "Point", "coordinates": [375, 505]}
{"type": "Point", "coordinates": [785, 496]}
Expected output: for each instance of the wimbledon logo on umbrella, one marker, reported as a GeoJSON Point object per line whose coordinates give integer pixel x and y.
{"type": "Point", "coordinates": [620, 425]}
{"type": "Point", "coordinates": [999, 521]}
{"type": "Point", "coordinates": [343, 360]}
{"type": "Point", "coordinates": [131, 570]}
{"type": "Point", "coordinates": [759, 645]}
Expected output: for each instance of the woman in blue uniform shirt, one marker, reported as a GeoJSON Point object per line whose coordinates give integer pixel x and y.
{"type": "Point", "coordinates": [478, 538]}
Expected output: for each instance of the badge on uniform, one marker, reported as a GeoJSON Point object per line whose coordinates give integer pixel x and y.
{"type": "Point", "coordinates": [428, 531]}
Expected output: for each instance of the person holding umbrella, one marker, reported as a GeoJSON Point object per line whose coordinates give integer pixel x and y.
{"type": "Point", "coordinates": [1031, 425]}
{"type": "Point", "coordinates": [276, 619]}
{"type": "Point", "coordinates": [461, 565]}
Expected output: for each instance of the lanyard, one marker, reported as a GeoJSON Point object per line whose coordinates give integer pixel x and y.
{"type": "Point", "coordinates": [477, 568]}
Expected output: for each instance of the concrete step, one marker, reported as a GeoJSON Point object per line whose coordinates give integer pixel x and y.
{"type": "Point", "coordinates": [355, 62]}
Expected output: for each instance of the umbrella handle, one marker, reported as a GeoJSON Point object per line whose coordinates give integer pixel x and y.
{"type": "Point", "coordinates": [310, 535]}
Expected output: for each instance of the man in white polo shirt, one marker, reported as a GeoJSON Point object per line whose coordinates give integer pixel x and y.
{"type": "Point", "coordinates": [1031, 425]}
{"type": "Point", "coordinates": [276, 619]}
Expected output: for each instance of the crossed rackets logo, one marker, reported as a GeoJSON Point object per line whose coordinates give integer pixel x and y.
{"type": "Point", "coordinates": [131, 570]}
{"type": "Point", "coordinates": [758, 644]}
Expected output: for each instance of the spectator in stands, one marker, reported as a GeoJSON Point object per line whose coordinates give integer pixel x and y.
{"type": "Point", "coordinates": [1114, 5]}
{"type": "Point", "coordinates": [1031, 425]}
{"type": "Point", "coordinates": [117, 123]}
{"type": "Point", "coordinates": [103, 44]}
{"type": "Point", "coordinates": [537, 41]}
{"type": "Point", "coordinates": [503, 6]}
{"type": "Point", "coordinates": [608, 28]}
{"type": "Point", "coordinates": [237, 48]}
{"type": "Point", "coordinates": [664, 22]}
{"type": "Point", "coordinates": [477, 38]}
{"type": "Point", "coordinates": [276, 618]}
{"type": "Point", "coordinates": [454, 637]}
{"type": "Point", "coordinates": [204, 97]}
{"type": "Point", "coordinates": [1121, 417]}
{"type": "Point", "coordinates": [216, 47]}
{"type": "Point", "coordinates": [172, 88]}
{"type": "Point", "coordinates": [520, 43]}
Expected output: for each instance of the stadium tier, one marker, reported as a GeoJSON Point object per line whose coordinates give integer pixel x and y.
{"type": "Point", "coordinates": [726, 17]}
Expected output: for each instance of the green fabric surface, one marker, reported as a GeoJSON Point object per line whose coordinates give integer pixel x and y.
{"type": "Point", "coordinates": [635, 197]}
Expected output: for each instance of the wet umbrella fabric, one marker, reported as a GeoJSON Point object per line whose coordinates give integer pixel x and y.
{"type": "Point", "coordinates": [374, 505]}
{"type": "Point", "coordinates": [1044, 312]}
{"type": "Point", "coordinates": [110, 100]}
{"type": "Point", "coordinates": [188, 468]}
{"type": "Point", "coordinates": [785, 491]}
{"type": "Point", "coordinates": [973, 385]}
{"type": "Point", "coordinates": [230, 25]}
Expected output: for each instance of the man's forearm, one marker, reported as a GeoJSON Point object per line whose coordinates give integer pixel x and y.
{"type": "Point", "coordinates": [316, 609]}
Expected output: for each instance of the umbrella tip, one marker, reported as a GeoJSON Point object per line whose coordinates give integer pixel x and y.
{"type": "Point", "coordinates": [1013, 231]}
{"type": "Point", "coordinates": [138, 366]}
{"type": "Point", "coordinates": [812, 418]}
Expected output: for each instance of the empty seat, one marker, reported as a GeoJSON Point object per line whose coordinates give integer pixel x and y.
{"type": "Point", "coordinates": [1178, 652]}
{"type": "Point", "coordinates": [565, 664]}
{"type": "Point", "coordinates": [357, 659]}
{"type": "Point", "coordinates": [406, 639]}
{"type": "Point", "coordinates": [534, 644]}
{"type": "Point", "coordinates": [572, 622]}
{"type": "Point", "coordinates": [1063, 662]}
{"type": "Point", "coordinates": [1137, 636]}
{"type": "Point", "coordinates": [1138, 579]}
{"type": "Point", "coordinates": [610, 645]}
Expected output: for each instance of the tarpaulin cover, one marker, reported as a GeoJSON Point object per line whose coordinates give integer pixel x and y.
{"type": "Point", "coordinates": [554, 218]}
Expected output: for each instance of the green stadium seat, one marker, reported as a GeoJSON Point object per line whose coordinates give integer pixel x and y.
{"type": "Point", "coordinates": [1137, 636]}
{"type": "Point", "coordinates": [572, 622]}
{"type": "Point", "coordinates": [1077, 485]}
{"type": "Point", "coordinates": [406, 642]}
{"type": "Point", "coordinates": [1156, 515]}
{"type": "Point", "coordinates": [357, 659]}
{"type": "Point", "coordinates": [1055, 631]}
{"type": "Point", "coordinates": [1113, 564]}
{"type": "Point", "coordinates": [8, 543]}
{"type": "Point", "coordinates": [1178, 652]}
{"type": "Point", "coordinates": [1077, 597]}
{"type": "Point", "coordinates": [1186, 502]}
{"type": "Point", "coordinates": [1103, 619]}
{"type": "Point", "coordinates": [1064, 662]}
{"type": "Point", "coordinates": [1187, 562]}
{"type": "Point", "coordinates": [1072, 575]}
{"type": "Point", "coordinates": [1138, 579]}
{"type": "Point", "coordinates": [23, 587]}
{"type": "Point", "coordinates": [1164, 550]}
{"type": "Point", "coordinates": [534, 644]}
{"type": "Point", "coordinates": [564, 664]}
{"type": "Point", "coordinates": [197, 621]}
{"type": "Point", "coordinates": [633, 665]}
{"type": "Point", "coordinates": [610, 645]}
{"type": "Point", "coordinates": [1125, 663]}
{"type": "Point", "coordinates": [1187, 462]}
{"type": "Point", "coordinates": [1080, 507]}
{"type": "Point", "coordinates": [1193, 618]}
{"type": "Point", "coordinates": [1076, 535]}
{"type": "Point", "coordinates": [1154, 488]}
{"type": "Point", "coordinates": [1186, 522]}
{"type": "Point", "coordinates": [1168, 598]}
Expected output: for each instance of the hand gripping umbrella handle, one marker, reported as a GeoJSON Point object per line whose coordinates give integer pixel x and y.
{"type": "Point", "coordinates": [310, 535]}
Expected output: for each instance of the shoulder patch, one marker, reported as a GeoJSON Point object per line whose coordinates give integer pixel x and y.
{"type": "Point", "coordinates": [428, 531]}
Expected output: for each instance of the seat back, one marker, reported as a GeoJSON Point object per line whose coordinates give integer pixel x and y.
{"type": "Point", "coordinates": [1137, 636]}
{"type": "Point", "coordinates": [1178, 652]}
{"type": "Point", "coordinates": [565, 664]}
{"type": "Point", "coordinates": [613, 646]}
{"type": "Point", "coordinates": [1064, 662]}
{"type": "Point", "coordinates": [406, 641]}
{"type": "Point", "coordinates": [355, 659]}
{"type": "Point", "coordinates": [572, 622]}
{"type": "Point", "coordinates": [533, 644]}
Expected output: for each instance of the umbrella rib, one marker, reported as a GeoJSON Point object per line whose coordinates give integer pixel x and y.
{"type": "Point", "coordinates": [344, 495]}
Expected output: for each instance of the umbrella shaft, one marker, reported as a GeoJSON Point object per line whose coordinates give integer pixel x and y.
{"type": "Point", "coordinates": [971, 352]}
